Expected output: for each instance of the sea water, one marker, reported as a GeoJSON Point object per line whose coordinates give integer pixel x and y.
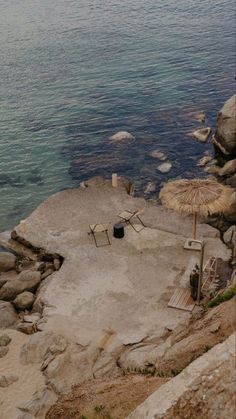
{"type": "Point", "coordinates": [74, 72]}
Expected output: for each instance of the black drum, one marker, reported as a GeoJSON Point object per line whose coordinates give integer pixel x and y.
{"type": "Point", "coordinates": [118, 231]}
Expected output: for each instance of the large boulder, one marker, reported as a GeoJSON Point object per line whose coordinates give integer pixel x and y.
{"type": "Point", "coordinates": [7, 261]}
{"type": "Point", "coordinates": [40, 345]}
{"type": "Point", "coordinates": [8, 315]}
{"type": "Point", "coordinates": [225, 136]}
{"type": "Point", "coordinates": [229, 168]}
{"type": "Point", "coordinates": [39, 404]}
{"type": "Point", "coordinates": [24, 300]}
{"type": "Point", "coordinates": [25, 281]}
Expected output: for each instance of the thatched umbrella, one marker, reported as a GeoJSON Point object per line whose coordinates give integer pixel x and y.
{"type": "Point", "coordinates": [196, 196]}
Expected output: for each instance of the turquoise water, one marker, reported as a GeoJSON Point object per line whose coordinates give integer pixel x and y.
{"type": "Point", "coordinates": [75, 72]}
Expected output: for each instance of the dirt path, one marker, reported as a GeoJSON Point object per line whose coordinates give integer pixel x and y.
{"type": "Point", "coordinates": [113, 399]}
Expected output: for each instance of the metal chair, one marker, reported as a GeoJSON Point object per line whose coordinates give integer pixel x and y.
{"type": "Point", "coordinates": [127, 216]}
{"type": "Point", "coordinates": [97, 229]}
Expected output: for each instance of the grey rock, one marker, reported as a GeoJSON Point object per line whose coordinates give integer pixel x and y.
{"type": "Point", "coordinates": [230, 235]}
{"type": "Point", "coordinates": [3, 280]}
{"type": "Point", "coordinates": [32, 318]}
{"type": "Point", "coordinates": [199, 116]}
{"type": "Point", "coordinates": [202, 134]}
{"type": "Point", "coordinates": [58, 345]}
{"type": "Point", "coordinates": [7, 380]}
{"type": "Point", "coordinates": [150, 187]}
{"type": "Point", "coordinates": [204, 160]}
{"type": "Point", "coordinates": [122, 136]}
{"type": "Point", "coordinates": [40, 403]}
{"type": "Point", "coordinates": [39, 266]}
{"type": "Point", "coordinates": [106, 366]}
{"type": "Point", "coordinates": [231, 181]}
{"type": "Point", "coordinates": [233, 277]}
{"type": "Point", "coordinates": [228, 169]}
{"type": "Point", "coordinates": [157, 154]}
{"type": "Point", "coordinates": [24, 415]}
{"type": "Point", "coordinates": [3, 351]}
{"type": "Point", "coordinates": [57, 263]}
{"type": "Point", "coordinates": [8, 315]}
{"type": "Point", "coordinates": [95, 181]}
{"type": "Point", "coordinates": [225, 136]}
{"type": "Point", "coordinates": [142, 357]}
{"type": "Point", "coordinates": [40, 345]}
{"type": "Point", "coordinates": [4, 340]}
{"type": "Point", "coordinates": [25, 264]}
{"type": "Point", "coordinates": [47, 273]}
{"type": "Point", "coordinates": [230, 239]}
{"type": "Point", "coordinates": [55, 366]}
{"type": "Point", "coordinates": [48, 358]}
{"type": "Point", "coordinates": [26, 281]}
{"type": "Point", "coordinates": [24, 300]}
{"type": "Point", "coordinates": [214, 327]}
{"type": "Point", "coordinates": [164, 167]}
{"type": "Point", "coordinates": [7, 261]}
{"type": "Point", "coordinates": [214, 169]}
{"type": "Point", "coordinates": [27, 328]}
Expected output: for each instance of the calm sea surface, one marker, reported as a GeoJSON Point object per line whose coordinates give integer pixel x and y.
{"type": "Point", "coordinates": [74, 72]}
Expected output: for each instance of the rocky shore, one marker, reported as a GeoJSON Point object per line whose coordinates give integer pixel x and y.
{"type": "Point", "coordinates": [71, 312]}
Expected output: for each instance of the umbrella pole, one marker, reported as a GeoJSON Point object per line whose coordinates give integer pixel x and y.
{"type": "Point", "coordinates": [194, 225]}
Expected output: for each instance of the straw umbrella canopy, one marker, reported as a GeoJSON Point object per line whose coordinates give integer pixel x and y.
{"type": "Point", "coordinates": [196, 196]}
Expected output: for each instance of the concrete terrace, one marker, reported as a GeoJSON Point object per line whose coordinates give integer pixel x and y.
{"type": "Point", "coordinates": [124, 287]}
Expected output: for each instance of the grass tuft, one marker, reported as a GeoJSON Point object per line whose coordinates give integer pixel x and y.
{"type": "Point", "coordinates": [227, 295]}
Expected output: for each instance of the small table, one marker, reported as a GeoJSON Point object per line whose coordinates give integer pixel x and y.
{"type": "Point", "coordinates": [118, 231]}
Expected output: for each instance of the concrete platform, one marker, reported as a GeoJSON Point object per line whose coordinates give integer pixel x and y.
{"type": "Point", "coordinates": [124, 287]}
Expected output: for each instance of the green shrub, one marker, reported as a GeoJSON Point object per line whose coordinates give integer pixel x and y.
{"type": "Point", "coordinates": [222, 297]}
{"type": "Point", "coordinates": [99, 408]}
{"type": "Point", "coordinates": [206, 348]}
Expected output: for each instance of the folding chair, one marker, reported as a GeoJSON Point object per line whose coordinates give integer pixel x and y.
{"type": "Point", "coordinates": [127, 216]}
{"type": "Point", "coordinates": [96, 229]}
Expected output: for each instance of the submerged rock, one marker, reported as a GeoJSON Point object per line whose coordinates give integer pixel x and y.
{"type": "Point", "coordinates": [198, 116]}
{"type": "Point", "coordinates": [164, 167]}
{"type": "Point", "coordinates": [122, 136]}
{"type": "Point", "coordinates": [157, 154]}
{"type": "Point", "coordinates": [150, 187]}
{"type": "Point", "coordinates": [202, 134]}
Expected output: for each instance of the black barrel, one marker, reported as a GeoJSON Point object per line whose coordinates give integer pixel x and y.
{"type": "Point", "coordinates": [118, 231]}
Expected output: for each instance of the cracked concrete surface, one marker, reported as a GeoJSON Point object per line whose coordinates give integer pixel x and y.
{"type": "Point", "coordinates": [124, 287]}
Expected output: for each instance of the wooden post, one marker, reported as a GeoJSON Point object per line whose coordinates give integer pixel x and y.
{"type": "Point", "coordinates": [200, 274]}
{"type": "Point", "coordinates": [194, 225]}
{"type": "Point", "coordinates": [114, 180]}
